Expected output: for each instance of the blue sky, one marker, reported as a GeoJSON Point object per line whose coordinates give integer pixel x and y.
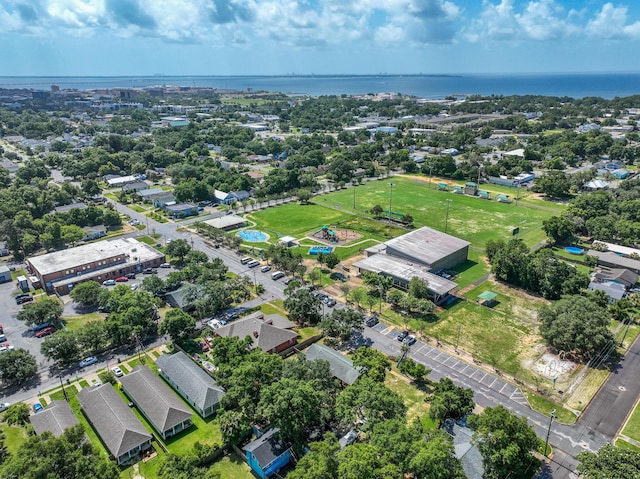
{"type": "Point", "coordinates": [253, 37]}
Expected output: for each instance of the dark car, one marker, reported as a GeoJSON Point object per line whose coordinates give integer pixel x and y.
{"type": "Point", "coordinates": [402, 335]}
{"type": "Point", "coordinates": [410, 340]}
{"type": "Point", "coordinates": [150, 271]}
{"type": "Point", "coordinates": [24, 299]}
{"type": "Point", "coordinates": [130, 276]}
{"type": "Point", "coordinates": [371, 321]}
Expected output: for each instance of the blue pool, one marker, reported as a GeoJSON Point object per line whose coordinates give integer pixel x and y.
{"type": "Point", "coordinates": [253, 236]}
{"type": "Point", "coordinates": [320, 249]}
{"type": "Point", "coordinates": [574, 250]}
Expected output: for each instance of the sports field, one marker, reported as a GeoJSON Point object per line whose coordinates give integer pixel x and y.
{"type": "Point", "coordinates": [474, 219]}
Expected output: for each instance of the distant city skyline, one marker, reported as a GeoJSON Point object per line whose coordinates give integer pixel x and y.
{"type": "Point", "coordinates": [323, 37]}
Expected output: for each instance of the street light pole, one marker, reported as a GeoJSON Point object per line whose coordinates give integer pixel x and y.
{"type": "Point", "coordinates": [391, 185]}
{"type": "Point", "coordinates": [354, 195]}
{"type": "Point", "coordinates": [546, 442]}
{"type": "Point", "coordinates": [446, 219]}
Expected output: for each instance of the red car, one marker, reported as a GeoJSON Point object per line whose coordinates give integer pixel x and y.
{"type": "Point", "coordinates": [122, 279]}
{"type": "Point", "coordinates": [45, 332]}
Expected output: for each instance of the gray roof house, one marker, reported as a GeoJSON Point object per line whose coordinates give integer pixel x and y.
{"type": "Point", "coordinates": [614, 291]}
{"type": "Point", "coordinates": [465, 450]}
{"type": "Point", "coordinates": [190, 381]}
{"type": "Point", "coordinates": [272, 334]}
{"type": "Point", "coordinates": [120, 430]}
{"type": "Point", "coordinates": [55, 418]}
{"type": "Point", "coordinates": [624, 277]}
{"type": "Point", "coordinates": [153, 398]}
{"type": "Point", "coordinates": [341, 366]}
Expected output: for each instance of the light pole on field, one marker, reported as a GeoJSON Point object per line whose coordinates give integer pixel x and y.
{"type": "Point", "coordinates": [391, 185]}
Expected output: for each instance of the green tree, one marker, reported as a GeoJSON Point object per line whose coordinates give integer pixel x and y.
{"type": "Point", "coordinates": [44, 311]}
{"type": "Point", "coordinates": [303, 307]}
{"type": "Point", "coordinates": [368, 402]}
{"type": "Point", "coordinates": [419, 288]}
{"type": "Point", "coordinates": [450, 401]}
{"type": "Point", "coordinates": [365, 461]}
{"type": "Point", "coordinates": [62, 347]}
{"type": "Point", "coordinates": [558, 229]}
{"type": "Point", "coordinates": [376, 211]}
{"type": "Point", "coordinates": [17, 414]}
{"type": "Point", "coordinates": [577, 325]}
{"type": "Point", "coordinates": [152, 283]}
{"type": "Point", "coordinates": [554, 184]}
{"type": "Point", "coordinates": [178, 248]}
{"type": "Point", "coordinates": [303, 195]}
{"type": "Point", "coordinates": [321, 462]}
{"type": "Point", "coordinates": [234, 425]}
{"type": "Point", "coordinates": [505, 442]}
{"type": "Point", "coordinates": [177, 324]}
{"type": "Point", "coordinates": [17, 366]}
{"type": "Point", "coordinates": [372, 363]}
{"type": "Point", "coordinates": [610, 462]}
{"type": "Point", "coordinates": [435, 458]}
{"type": "Point", "coordinates": [74, 458]}
{"type": "Point", "coordinates": [331, 260]}
{"type": "Point", "coordinates": [341, 323]}
{"type": "Point", "coordinates": [87, 293]}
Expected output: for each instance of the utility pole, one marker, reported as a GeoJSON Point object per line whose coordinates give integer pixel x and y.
{"type": "Point", "coordinates": [391, 185]}
{"type": "Point", "coordinates": [64, 391]}
{"type": "Point", "coordinates": [446, 219]}
{"type": "Point", "coordinates": [546, 442]}
{"type": "Point", "coordinates": [354, 195]}
{"type": "Point", "coordinates": [517, 192]}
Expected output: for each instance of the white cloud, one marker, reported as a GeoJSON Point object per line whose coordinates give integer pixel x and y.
{"type": "Point", "coordinates": [611, 22]}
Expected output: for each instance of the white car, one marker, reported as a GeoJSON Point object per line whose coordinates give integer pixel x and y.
{"type": "Point", "coordinates": [117, 371]}
{"type": "Point", "coordinates": [165, 265]}
{"type": "Point", "coordinates": [134, 287]}
{"type": "Point", "coordinates": [4, 406]}
{"type": "Point", "coordinates": [109, 282]}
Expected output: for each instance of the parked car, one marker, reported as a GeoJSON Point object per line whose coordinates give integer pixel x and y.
{"type": "Point", "coordinates": [331, 302]}
{"type": "Point", "coordinates": [24, 299]}
{"type": "Point", "coordinates": [134, 287]}
{"type": "Point", "coordinates": [130, 275]}
{"type": "Point", "coordinates": [3, 338]}
{"type": "Point", "coordinates": [410, 340]}
{"type": "Point", "coordinates": [150, 271]}
{"type": "Point", "coordinates": [264, 269]}
{"type": "Point", "coordinates": [4, 406]}
{"type": "Point", "coordinates": [165, 265]}
{"type": "Point", "coordinates": [277, 275]}
{"type": "Point", "coordinates": [37, 407]}
{"type": "Point", "coordinates": [371, 321]}
{"type": "Point", "coordinates": [122, 279]}
{"type": "Point", "coordinates": [38, 327]}
{"type": "Point", "coordinates": [1, 329]}
{"type": "Point", "coordinates": [88, 361]}
{"type": "Point", "coordinates": [402, 335]}
{"type": "Point", "coordinates": [117, 372]}
{"type": "Point", "coordinates": [45, 332]}
{"type": "Point", "coordinates": [288, 280]}
{"type": "Point", "coordinates": [109, 282]}
{"type": "Point", "coordinates": [253, 264]}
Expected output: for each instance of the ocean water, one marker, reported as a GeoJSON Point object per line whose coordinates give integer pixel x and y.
{"type": "Point", "coordinates": [574, 85]}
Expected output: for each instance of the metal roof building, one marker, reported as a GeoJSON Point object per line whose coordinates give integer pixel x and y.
{"type": "Point", "coordinates": [190, 381]}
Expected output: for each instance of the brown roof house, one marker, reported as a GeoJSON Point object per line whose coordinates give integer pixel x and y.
{"type": "Point", "coordinates": [153, 398]}
{"type": "Point", "coordinates": [120, 430]}
{"type": "Point", "coordinates": [190, 381]}
{"type": "Point", "coordinates": [55, 418]}
{"type": "Point", "coordinates": [271, 333]}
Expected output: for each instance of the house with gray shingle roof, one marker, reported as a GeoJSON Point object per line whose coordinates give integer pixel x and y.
{"type": "Point", "coordinates": [465, 449]}
{"type": "Point", "coordinates": [272, 333]}
{"type": "Point", "coordinates": [120, 430]}
{"type": "Point", "coordinates": [153, 398]}
{"type": "Point", "coordinates": [190, 381]}
{"type": "Point", "coordinates": [340, 365]}
{"type": "Point", "coordinates": [55, 418]}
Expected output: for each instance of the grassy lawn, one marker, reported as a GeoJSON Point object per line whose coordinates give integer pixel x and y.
{"type": "Point", "coordinates": [231, 466]}
{"type": "Point", "coordinates": [632, 428]}
{"type": "Point", "coordinates": [469, 218]}
{"type": "Point", "coordinates": [14, 436]}
{"type": "Point", "coordinates": [148, 240]}
{"type": "Point", "coordinates": [587, 388]}
{"type": "Point", "coordinates": [148, 469]}
{"type": "Point", "coordinates": [294, 219]}
{"type": "Point", "coordinates": [622, 444]}
{"type": "Point", "coordinates": [77, 322]}
{"type": "Point", "coordinates": [414, 399]}
{"type": "Point", "coordinates": [306, 333]}
{"type": "Point", "coordinates": [471, 270]}
{"type": "Point", "coordinates": [270, 308]}
{"type": "Point", "coordinates": [137, 208]}
{"type": "Point", "coordinates": [545, 406]}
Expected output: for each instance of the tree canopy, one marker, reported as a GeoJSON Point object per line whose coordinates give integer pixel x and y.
{"type": "Point", "coordinates": [610, 462]}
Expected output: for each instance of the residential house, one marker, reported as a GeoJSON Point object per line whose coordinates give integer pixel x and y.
{"type": "Point", "coordinates": [5, 274]}
{"type": "Point", "coordinates": [241, 195]}
{"type": "Point", "coordinates": [162, 408]}
{"type": "Point", "coordinates": [176, 299]}
{"type": "Point", "coordinates": [612, 260]}
{"type": "Point", "coordinates": [54, 418]}
{"type": "Point", "coordinates": [340, 365]}
{"type": "Point", "coordinates": [190, 381]}
{"type": "Point", "coordinates": [182, 210]}
{"type": "Point", "coordinates": [271, 333]}
{"type": "Point", "coordinates": [465, 449]}
{"type": "Point", "coordinates": [626, 278]}
{"type": "Point", "coordinates": [614, 291]}
{"type": "Point", "coordinates": [120, 430]}
{"type": "Point", "coordinates": [163, 200]}
{"type": "Point", "coordinates": [94, 232]}
{"type": "Point", "coordinates": [115, 180]}
{"type": "Point", "coordinates": [224, 198]}
{"type": "Point", "coordinates": [267, 454]}
{"type": "Point", "coordinates": [72, 206]}
{"type": "Point", "coordinates": [137, 186]}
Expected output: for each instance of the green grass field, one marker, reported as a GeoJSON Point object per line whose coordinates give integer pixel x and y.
{"type": "Point", "coordinates": [632, 428]}
{"type": "Point", "coordinates": [470, 218]}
